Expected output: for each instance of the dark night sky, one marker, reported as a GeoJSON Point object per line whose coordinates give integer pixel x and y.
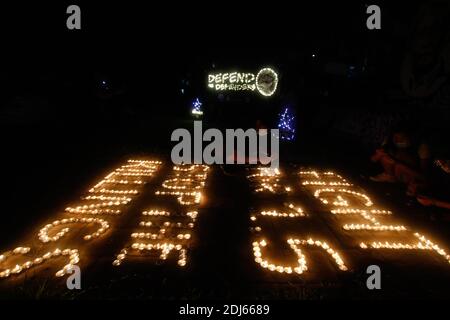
{"type": "Point", "coordinates": [180, 32]}
{"type": "Point", "coordinates": [156, 45]}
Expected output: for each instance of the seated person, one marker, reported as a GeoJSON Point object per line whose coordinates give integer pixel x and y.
{"type": "Point", "coordinates": [403, 160]}
{"type": "Point", "coordinates": [438, 192]}
{"type": "Point", "coordinates": [247, 158]}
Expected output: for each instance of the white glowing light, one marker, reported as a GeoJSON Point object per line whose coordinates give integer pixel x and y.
{"type": "Point", "coordinates": [265, 81]}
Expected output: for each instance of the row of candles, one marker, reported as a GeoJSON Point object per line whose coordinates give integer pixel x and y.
{"type": "Point", "coordinates": [101, 193]}
{"type": "Point", "coordinates": [295, 245]}
{"type": "Point", "coordinates": [364, 208]}
{"type": "Point", "coordinates": [73, 254]}
{"type": "Point", "coordinates": [341, 198]}
{"type": "Point", "coordinates": [185, 183]}
{"type": "Point", "coordinates": [44, 232]}
{"type": "Point", "coordinates": [292, 212]}
{"type": "Point", "coordinates": [271, 180]}
{"type": "Point", "coordinates": [105, 196]}
{"type": "Point", "coordinates": [268, 180]}
{"type": "Point", "coordinates": [328, 174]}
{"type": "Point", "coordinates": [150, 224]}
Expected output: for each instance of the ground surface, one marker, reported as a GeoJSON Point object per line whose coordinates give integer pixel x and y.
{"type": "Point", "coordinates": [43, 177]}
{"type": "Point", "coordinates": [221, 263]}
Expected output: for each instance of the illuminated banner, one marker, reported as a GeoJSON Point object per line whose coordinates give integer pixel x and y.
{"type": "Point", "coordinates": [265, 81]}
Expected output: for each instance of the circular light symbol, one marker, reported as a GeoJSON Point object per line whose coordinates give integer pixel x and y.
{"type": "Point", "coordinates": [266, 82]}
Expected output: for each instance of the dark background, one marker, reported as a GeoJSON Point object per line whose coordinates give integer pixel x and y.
{"type": "Point", "coordinates": [59, 124]}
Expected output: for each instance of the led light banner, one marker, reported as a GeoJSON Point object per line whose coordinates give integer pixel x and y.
{"type": "Point", "coordinates": [265, 81]}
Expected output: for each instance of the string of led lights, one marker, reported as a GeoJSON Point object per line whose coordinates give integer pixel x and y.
{"type": "Point", "coordinates": [286, 125]}
{"type": "Point", "coordinates": [196, 107]}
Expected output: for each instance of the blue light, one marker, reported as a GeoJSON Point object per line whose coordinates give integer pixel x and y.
{"type": "Point", "coordinates": [196, 107]}
{"type": "Point", "coordinates": [286, 125]}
